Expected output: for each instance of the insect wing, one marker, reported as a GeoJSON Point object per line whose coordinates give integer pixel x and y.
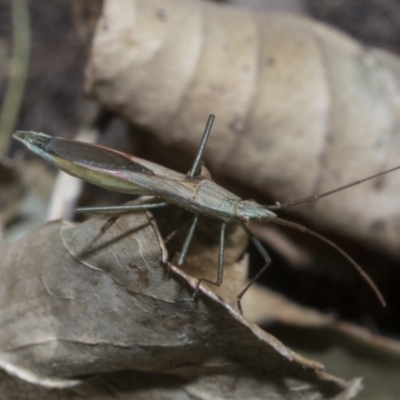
{"type": "Point", "coordinates": [99, 157]}
{"type": "Point", "coordinates": [95, 164]}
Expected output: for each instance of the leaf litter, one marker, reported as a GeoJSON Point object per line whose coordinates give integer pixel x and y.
{"type": "Point", "coordinates": [96, 298]}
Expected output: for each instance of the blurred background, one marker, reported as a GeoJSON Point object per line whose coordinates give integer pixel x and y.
{"type": "Point", "coordinates": [45, 48]}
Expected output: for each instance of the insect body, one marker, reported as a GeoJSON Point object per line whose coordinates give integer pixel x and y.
{"type": "Point", "coordinates": [117, 171]}
{"type": "Point", "coordinates": [121, 172]}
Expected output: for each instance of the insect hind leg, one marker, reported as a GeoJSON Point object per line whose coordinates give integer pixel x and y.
{"type": "Point", "coordinates": [220, 273]}
{"type": "Point", "coordinates": [266, 258]}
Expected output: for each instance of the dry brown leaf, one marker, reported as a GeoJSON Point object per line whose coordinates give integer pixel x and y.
{"type": "Point", "coordinates": [300, 107]}
{"type": "Point", "coordinates": [90, 298]}
{"type": "Point", "coordinates": [139, 386]}
{"type": "Point", "coordinates": [343, 347]}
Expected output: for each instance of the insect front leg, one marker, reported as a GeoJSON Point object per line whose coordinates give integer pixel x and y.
{"type": "Point", "coordinates": [220, 274]}
{"type": "Point", "coordinates": [263, 254]}
{"type": "Point", "coordinates": [119, 209]}
{"type": "Point", "coordinates": [186, 243]}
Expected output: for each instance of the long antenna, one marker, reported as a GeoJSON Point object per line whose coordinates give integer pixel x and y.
{"type": "Point", "coordinates": [203, 142]}
{"type": "Point", "coordinates": [310, 199]}
{"type": "Point", "coordinates": [359, 269]}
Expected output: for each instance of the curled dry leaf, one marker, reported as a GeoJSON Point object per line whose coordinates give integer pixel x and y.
{"type": "Point", "coordinates": [264, 306]}
{"type": "Point", "coordinates": [294, 254]}
{"type": "Point", "coordinates": [300, 107]}
{"type": "Point", "coordinates": [292, 6]}
{"type": "Point", "coordinates": [90, 298]}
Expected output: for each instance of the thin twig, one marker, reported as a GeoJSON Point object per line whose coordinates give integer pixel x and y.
{"type": "Point", "coordinates": [18, 72]}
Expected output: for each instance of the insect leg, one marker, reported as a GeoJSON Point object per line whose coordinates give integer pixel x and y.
{"type": "Point", "coordinates": [264, 255]}
{"type": "Point", "coordinates": [221, 254]}
{"type": "Point", "coordinates": [119, 209]}
{"type": "Point", "coordinates": [203, 142]}
{"type": "Point", "coordinates": [220, 273]}
{"type": "Point", "coordinates": [187, 241]}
